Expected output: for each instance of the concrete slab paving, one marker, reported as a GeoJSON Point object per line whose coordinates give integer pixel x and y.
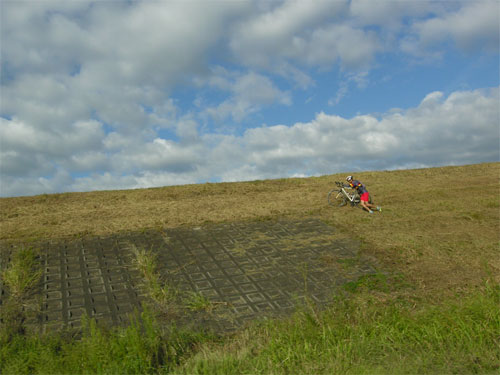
{"type": "Point", "coordinates": [246, 271]}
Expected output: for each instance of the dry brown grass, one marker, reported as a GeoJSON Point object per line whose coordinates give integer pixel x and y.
{"type": "Point", "coordinates": [439, 226]}
{"type": "Point", "coordinates": [73, 214]}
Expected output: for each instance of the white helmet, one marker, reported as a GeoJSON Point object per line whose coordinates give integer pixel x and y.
{"type": "Point", "coordinates": [349, 178]}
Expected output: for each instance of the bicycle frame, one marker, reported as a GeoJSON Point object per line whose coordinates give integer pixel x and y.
{"type": "Point", "coordinates": [347, 195]}
{"type": "Point", "coordinates": [342, 193]}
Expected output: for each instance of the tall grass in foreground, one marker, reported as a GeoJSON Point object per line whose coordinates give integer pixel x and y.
{"type": "Point", "coordinates": [21, 275]}
{"type": "Point", "coordinates": [143, 347]}
{"type": "Point", "coordinates": [358, 334]}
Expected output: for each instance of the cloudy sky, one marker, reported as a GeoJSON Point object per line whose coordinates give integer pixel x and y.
{"type": "Point", "coordinates": [117, 94]}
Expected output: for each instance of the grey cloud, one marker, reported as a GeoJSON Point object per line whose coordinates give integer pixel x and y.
{"type": "Point", "coordinates": [88, 161]}
{"type": "Point", "coordinates": [29, 185]}
{"type": "Point", "coordinates": [276, 33]}
{"type": "Point", "coordinates": [15, 164]}
{"type": "Point", "coordinates": [50, 102]}
{"type": "Point", "coordinates": [29, 152]}
{"type": "Point", "coordinates": [24, 138]}
{"type": "Point", "coordinates": [132, 42]}
{"type": "Point", "coordinates": [43, 37]}
{"type": "Point", "coordinates": [156, 43]}
{"type": "Point", "coordinates": [304, 33]}
{"type": "Point", "coordinates": [187, 130]}
{"type": "Point", "coordinates": [11, 186]}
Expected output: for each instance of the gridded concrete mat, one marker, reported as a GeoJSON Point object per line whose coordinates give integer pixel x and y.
{"type": "Point", "coordinates": [252, 270]}
{"type": "Point", "coordinates": [93, 277]}
{"type": "Point", "coordinates": [89, 276]}
{"type": "Point", "coordinates": [243, 271]}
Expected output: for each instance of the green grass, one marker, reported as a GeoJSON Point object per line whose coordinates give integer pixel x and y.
{"type": "Point", "coordinates": [22, 273]}
{"type": "Point", "coordinates": [362, 335]}
{"type": "Point", "coordinates": [430, 310]}
{"type": "Point", "coordinates": [162, 295]}
{"type": "Point", "coordinates": [141, 348]}
{"type": "Point", "coordinates": [144, 346]}
{"type": "Point", "coordinates": [20, 276]}
{"type": "Point", "coordinates": [359, 334]}
{"type": "Point", "coordinates": [382, 282]}
{"type": "Point", "coordinates": [195, 301]}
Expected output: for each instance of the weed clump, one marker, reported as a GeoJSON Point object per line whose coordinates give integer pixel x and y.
{"type": "Point", "coordinates": [22, 274]}
{"type": "Point", "coordinates": [20, 277]}
{"type": "Point", "coordinates": [163, 295]}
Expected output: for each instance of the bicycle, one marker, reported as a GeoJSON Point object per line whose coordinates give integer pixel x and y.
{"type": "Point", "coordinates": [340, 196]}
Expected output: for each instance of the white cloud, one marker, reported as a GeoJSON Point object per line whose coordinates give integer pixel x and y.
{"type": "Point", "coordinates": [473, 27]}
{"type": "Point", "coordinates": [43, 36]}
{"type": "Point", "coordinates": [91, 88]}
{"type": "Point", "coordinates": [109, 60]}
{"type": "Point", "coordinates": [26, 151]}
{"type": "Point", "coordinates": [249, 93]}
{"type": "Point", "coordinates": [389, 14]}
{"type": "Point", "coordinates": [49, 101]}
{"type": "Point", "coordinates": [278, 33]}
{"type": "Point", "coordinates": [433, 98]}
{"type": "Point", "coordinates": [154, 42]}
{"type": "Point", "coordinates": [139, 42]}
{"type": "Point", "coordinates": [108, 181]}
{"type": "Point", "coordinates": [19, 137]}
{"type": "Point", "coordinates": [461, 128]}
{"type": "Point", "coordinates": [360, 79]}
{"type": "Point", "coordinates": [87, 162]}
{"type": "Point", "coordinates": [310, 33]}
{"type": "Point", "coordinates": [354, 47]}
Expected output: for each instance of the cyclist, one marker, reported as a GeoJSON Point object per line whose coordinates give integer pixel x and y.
{"type": "Point", "coordinates": [364, 195]}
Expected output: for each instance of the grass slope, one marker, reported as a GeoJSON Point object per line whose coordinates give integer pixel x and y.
{"type": "Point", "coordinates": [439, 225]}
{"type": "Point", "coordinates": [438, 232]}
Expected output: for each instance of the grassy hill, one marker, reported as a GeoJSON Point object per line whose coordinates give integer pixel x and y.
{"type": "Point", "coordinates": [438, 235]}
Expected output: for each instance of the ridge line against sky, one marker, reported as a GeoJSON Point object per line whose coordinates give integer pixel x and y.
{"type": "Point", "coordinates": [104, 95]}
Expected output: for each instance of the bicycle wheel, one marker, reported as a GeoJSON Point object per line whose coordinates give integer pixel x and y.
{"type": "Point", "coordinates": [336, 198]}
{"type": "Point", "coordinates": [356, 200]}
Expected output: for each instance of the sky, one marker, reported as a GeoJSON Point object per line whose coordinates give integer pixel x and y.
{"type": "Point", "coordinates": [110, 94]}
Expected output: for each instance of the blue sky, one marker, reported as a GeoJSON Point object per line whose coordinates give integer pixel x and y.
{"type": "Point", "coordinates": [133, 94]}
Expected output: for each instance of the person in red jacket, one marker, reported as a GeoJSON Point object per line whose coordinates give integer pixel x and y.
{"type": "Point", "coordinates": [364, 195]}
